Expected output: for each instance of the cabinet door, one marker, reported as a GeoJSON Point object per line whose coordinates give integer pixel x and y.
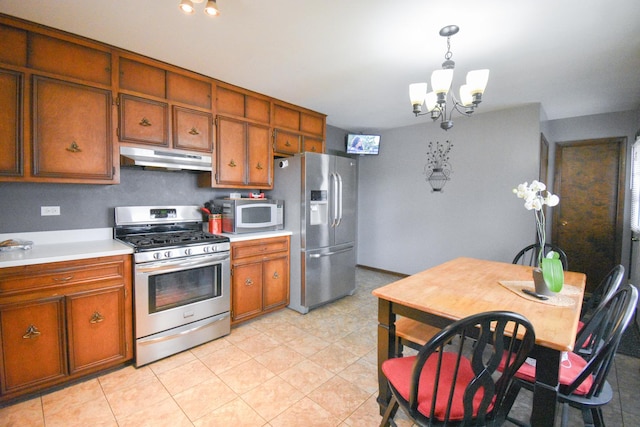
{"type": "Point", "coordinates": [192, 130]}
{"type": "Point", "coordinates": [287, 142]}
{"type": "Point", "coordinates": [231, 151]}
{"type": "Point", "coordinates": [313, 144]}
{"type": "Point", "coordinates": [95, 322]}
{"type": "Point", "coordinates": [11, 123]}
{"type": "Point", "coordinates": [32, 345]}
{"type": "Point", "coordinates": [276, 282]}
{"type": "Point", "coordinates": [259, 159]}
{"type": "Point", "coordinates": [246, 291]}
{"type": "Point", "coordinates": [143, 121]}
{"type": "Point", "coordinates": [71, 131]}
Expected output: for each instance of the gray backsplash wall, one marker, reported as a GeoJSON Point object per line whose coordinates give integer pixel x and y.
{"type": "Point", "coordinates": [91, 206]}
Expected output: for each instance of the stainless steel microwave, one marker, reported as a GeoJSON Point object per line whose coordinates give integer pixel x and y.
{"type": "Point", "coordinates": [251, 215]}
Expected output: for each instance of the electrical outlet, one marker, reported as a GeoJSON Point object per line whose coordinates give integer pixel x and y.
{"type": "Point", "coordinates": [49, 210]}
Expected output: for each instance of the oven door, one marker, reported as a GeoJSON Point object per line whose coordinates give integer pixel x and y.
{"type": "Point", "coordinates": [169, 294]}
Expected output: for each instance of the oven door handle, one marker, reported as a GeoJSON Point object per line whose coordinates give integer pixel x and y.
{"type": "Point", "coordinates": [170, 266]}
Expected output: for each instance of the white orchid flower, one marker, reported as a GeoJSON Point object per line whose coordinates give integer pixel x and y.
{"type": "Point", "coordinates": [537, 186]}
{"type": "Point", "coordinates": [551, 199]}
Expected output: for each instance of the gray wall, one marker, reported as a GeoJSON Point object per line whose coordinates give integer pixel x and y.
{"type": "Point", "coordinates": [91, 206]}
{"type": "Point", "coordinates": [404, 227]}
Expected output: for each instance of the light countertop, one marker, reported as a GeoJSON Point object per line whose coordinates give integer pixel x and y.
{"type": "Point", "coordinates": [63, 245]}
{"type": "Point", "coordinates": [253, 236]}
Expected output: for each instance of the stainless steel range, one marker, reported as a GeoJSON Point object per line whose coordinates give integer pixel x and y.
{"type": "Point", "coordinates": [181, 279]}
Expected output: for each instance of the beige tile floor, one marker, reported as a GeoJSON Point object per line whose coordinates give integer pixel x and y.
{"type": "Point", "coordinates": [283, 369]}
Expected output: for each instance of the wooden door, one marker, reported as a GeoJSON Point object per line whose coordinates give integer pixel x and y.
{"type": "Point", "coordinates": [587, 224]}
{"type": "Point", "coordinates": [192, 130]}
{"type": "Point", "coordinates": [72, 131]}
{"type": "Point", "coordinates": [259, 159]}
{"type": "Point", "coordinates": [246, 283]}
{"type": "Point", "coordinates": [231, 151]}
{"type": "Point", "coordinates": [95, 322]}
{"type": "Point", "coordinates": [276, 282]}
{"type": "Point", "coordinates": [32, 345]}
{"type": "Point", "coordinates": [11, 123]}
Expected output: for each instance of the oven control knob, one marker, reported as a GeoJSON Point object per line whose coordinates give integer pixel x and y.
{"type": "Point", "coordinates": [206, 249]}
{"type": "Point", "coordinates": [157, 255]}
{"type": "Point", "coordinates": [167, 254]}
{"type": "Point", "coordinates": [187, 251]}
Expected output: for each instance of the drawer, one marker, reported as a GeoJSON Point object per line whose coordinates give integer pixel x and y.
{"type": "Point", "coordinates": [57, 274]}
{"type": "Point", "coordinates": [262, 247]}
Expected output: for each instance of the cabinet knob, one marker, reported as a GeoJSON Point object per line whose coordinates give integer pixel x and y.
{"type": "Point", "coordinates": [287, 143]}
{"type": "Point", "coordinates": [259, 166]}
{"type": "Point", "coordinates": [248, 282]}
{"type": "Point", "coordinates": [232, 164]}
{"type": "Point", "coordinates": [96, 318]}
{"type": "Point", "coordinates": [276, 275]}
{"type": "Point", "coordinates": [144, 122]}
{"type": "Point", "coordinates": [32, 332]}
{"type": "Point", "coordinates": [74, 147]}
{"type": "Point", "coordinates": [194, 131]}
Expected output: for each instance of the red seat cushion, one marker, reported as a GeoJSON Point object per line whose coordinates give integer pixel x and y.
{"type": "Point", "coordinates": [398, 372]}
{"type": "Point", "coordinates": [569, 370]}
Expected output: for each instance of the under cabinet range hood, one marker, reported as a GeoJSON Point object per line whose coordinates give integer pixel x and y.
{"type": "Point", "coordinates": [169, 160]}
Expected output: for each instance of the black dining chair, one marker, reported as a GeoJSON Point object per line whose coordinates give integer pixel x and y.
{"type": "Point", "coordinates": [529, 255]}
{"type": "Point", "coordinates": [453, 378]}
{"type": "Point", "coordinates": [583, 379]}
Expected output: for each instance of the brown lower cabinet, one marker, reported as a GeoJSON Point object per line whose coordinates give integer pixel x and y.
{"type": "Point", "coordinates": [60, 321]}
{"type": "Point", "coordinates": [259, 277]}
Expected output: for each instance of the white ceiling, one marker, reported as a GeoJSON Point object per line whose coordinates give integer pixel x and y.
{"type": "Point", "coordinates": [354, 59]}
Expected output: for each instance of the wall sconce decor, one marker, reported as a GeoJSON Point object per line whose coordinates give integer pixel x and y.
{"type": "Point", "coordinates": [436, 100]}
{"type": "Point", "coordinates": [438, 169]}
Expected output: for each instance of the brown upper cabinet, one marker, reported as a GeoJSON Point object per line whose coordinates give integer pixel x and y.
{"type": "Point", "coordinates": [56, 103]}
{"type": "Point", "coordinates": [297, 130]}
{"type": "Point", "coordinates": [149, 92]}
{"type": "Point", "coordinates": [68, 103]}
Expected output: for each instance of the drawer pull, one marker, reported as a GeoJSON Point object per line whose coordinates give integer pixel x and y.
{"type": "Point", "coordinates": [74, 147]}
{"type": "Point", "coordinates": [276, 275]}
{"type": "Point", "coordinates": [145, 122]}
{"type": "Point", "coordinates": [62, 279]}
{"type": "Point", "coordinates": [194, 131]}
{"type": "Point", "coordinates": [259, 166]}
{"type": "Point", "coordinates": [248, 282]}
{"type": "Point", "coordinates": [32, 332]}
{"type": "Point", "coordinates": [96, 318]}
{"type": "Point", "coordinates": [232, 164]}
{"type": "Point", "coordinates": [287, 143]}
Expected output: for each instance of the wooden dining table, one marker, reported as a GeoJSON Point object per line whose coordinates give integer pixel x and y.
{"type": "Point", "coordinates": [464, 286]}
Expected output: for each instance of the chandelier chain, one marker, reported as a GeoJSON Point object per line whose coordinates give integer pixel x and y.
{"type": "Point", "coordinates": [449, 54]}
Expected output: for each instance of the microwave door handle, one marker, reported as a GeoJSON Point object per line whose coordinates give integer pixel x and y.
{"type": "Point", "coordinates": [339, 197]}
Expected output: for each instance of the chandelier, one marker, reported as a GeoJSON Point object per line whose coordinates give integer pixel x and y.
{"type": "Point", "coordinates": [211, 9]}
{"type": "Point", "coordinates": [436, 100]}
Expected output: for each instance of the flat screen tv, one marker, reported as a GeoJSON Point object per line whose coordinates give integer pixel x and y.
{"type": "Point", "coordinates": [363, 144]}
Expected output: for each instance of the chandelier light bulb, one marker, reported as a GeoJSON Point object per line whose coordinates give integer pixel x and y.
{"type": "Point", "coordinates": [477, 81]}
{"type": "Point", "coordinates": [417, 93]}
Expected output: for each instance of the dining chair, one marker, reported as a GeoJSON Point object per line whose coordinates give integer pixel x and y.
{"type": "Point", "coordinates": [453, 378]}
{"type": "Point", "coordinates": [529, 255]}
{"type": "Point", "coordinates": [583, 379]}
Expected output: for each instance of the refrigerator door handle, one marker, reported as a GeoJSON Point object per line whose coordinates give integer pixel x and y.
{"type": "Point", "coordinates": [331, 253]}
{"type": "Point", "coordinates": [335, 219]}
{"type": "Point", "coordinates": [339, 197]}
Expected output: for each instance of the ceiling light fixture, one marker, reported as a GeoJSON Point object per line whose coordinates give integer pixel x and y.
{"type": "Point", "coordinates": [436, 100]}
{"type": "Point", "coordinates": [211, 9]}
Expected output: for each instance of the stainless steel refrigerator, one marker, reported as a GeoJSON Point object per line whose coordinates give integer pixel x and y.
{"type": "Point", "coordinates": [320, 194]}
